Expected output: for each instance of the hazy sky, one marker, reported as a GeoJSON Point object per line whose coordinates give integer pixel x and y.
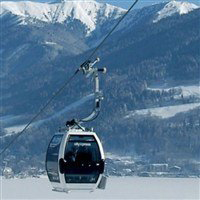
{"type": "Point", "coordinates": [125, 3]}
{"type": "Point", "coordinates": [141, 3]}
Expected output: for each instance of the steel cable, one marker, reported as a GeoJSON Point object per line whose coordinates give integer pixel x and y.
{"type": "Point", "coordinates": [66, 83]}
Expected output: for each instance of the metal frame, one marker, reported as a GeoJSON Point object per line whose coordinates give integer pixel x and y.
{"type": "Point", "coordinates": [89, 70]}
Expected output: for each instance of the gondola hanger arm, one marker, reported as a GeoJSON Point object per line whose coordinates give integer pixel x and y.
{"type": "Point", "coordinates": [88, 68]}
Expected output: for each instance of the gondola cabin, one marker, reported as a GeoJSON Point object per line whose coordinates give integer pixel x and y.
{"type": "Point", "coordinates": [75, 161]}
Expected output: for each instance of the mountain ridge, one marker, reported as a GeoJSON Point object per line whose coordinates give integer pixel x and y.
{"type": "Point", "coordinates": [89, 13]}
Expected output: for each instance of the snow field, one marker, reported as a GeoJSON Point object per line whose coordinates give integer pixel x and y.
{"type": "Point", "coordinates": [186, 91]}
{"type": "Point", "coordinates": [164, 112]}
{"type": "Point", "coordinates": [117, 188]}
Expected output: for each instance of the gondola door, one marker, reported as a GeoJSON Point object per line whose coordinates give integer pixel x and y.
{"type": "Point", "coordinates": [52, 158]}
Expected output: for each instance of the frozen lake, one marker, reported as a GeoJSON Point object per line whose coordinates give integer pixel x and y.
{"type": "Point", "coordinates": [117, 188]}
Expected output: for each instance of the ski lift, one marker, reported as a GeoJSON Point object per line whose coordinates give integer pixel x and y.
{"type": "Point", "coordinates": [75, 158]}
{"type": "Point", "coordinates": [75, 161]}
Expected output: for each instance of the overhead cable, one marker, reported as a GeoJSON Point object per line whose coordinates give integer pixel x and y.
{"type": "Point", "coordinates": [67, 82]}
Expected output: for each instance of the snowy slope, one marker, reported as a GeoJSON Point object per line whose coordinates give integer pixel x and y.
{"type": "Point", "coordinates": [164, 112]}
{"type": "Point", "coordinates": [87, 12]}
{"type": "Point", "coordinates": [175, 7]}
{"type": "Point", "coordinates": [182, 90]}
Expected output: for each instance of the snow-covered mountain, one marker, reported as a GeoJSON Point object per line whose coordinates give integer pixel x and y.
{"type": "Point", "coordinates": [90, 13]}
{"type": "Point", "coordinates": [175, 7]}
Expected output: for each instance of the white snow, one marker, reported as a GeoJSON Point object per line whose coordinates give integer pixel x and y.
{"type": "Point", "coordinates": [50, 43]}
{"type": "Point", "coordinates": [175, 7]}
{"type": "Point", "coordinates": [7, 120]}
{"type": "Point", "coordinates": [117, 188]}
{"type": "Point", "coordinates": [185, 90]}
{"type": "Point", "coordinates": [117, 157]}
{"type": "Point", "coordinates": [164, 112]}
{"type": "Point", "coordinates": [14, 129]}
{"type": "Point", "coordinates": [88, 12]}
{"type": "Point", "coordinates": [193, 90]}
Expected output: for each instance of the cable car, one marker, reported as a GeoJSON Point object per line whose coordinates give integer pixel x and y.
{"type": "Point", "coordinates": [75, 161]}
{"type": "Point", "coordinates": [75, 158]}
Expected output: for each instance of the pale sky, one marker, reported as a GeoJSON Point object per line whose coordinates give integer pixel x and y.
{"type": "Point", "coordinates": [141, 3]}
{"type": "Point", "coordinates": [124, 3]}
